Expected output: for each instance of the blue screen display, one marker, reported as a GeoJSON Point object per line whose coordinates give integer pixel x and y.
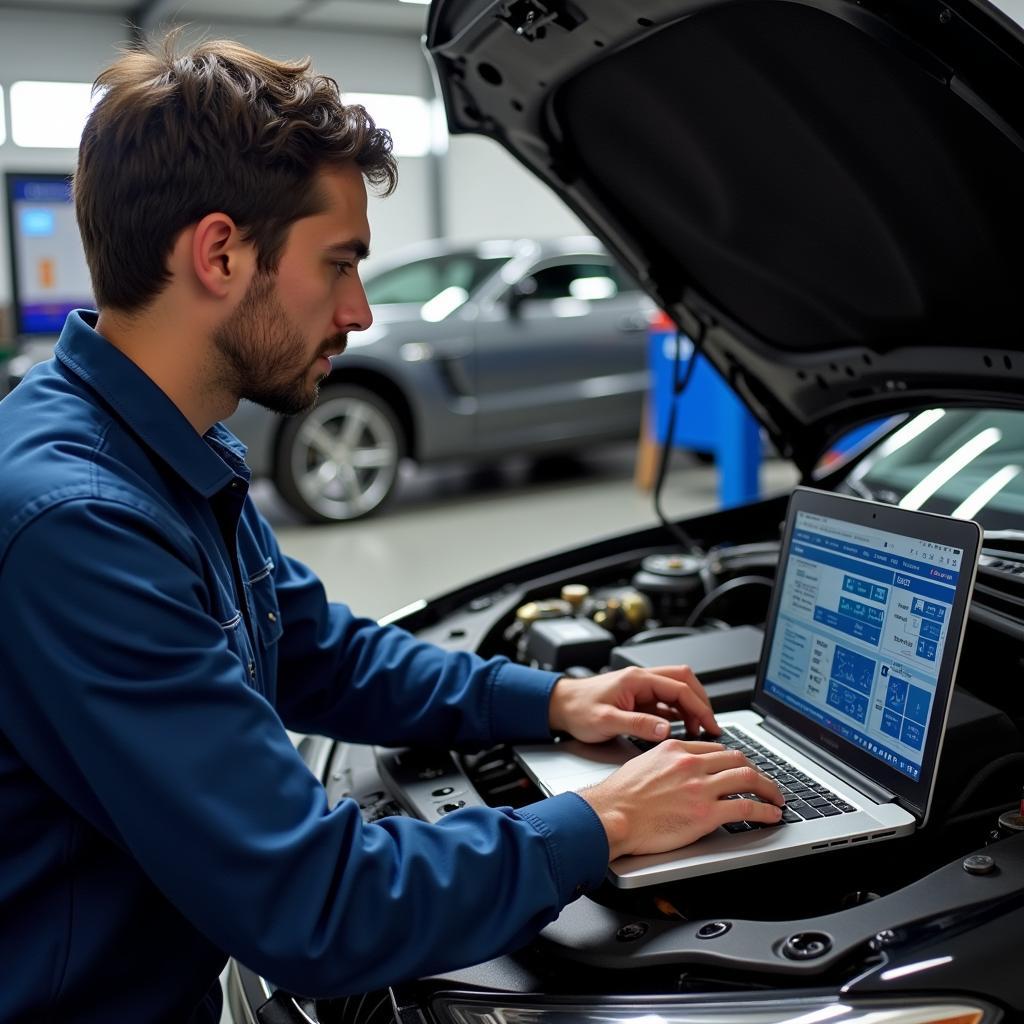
{"type": "Point", "coordinates": [50, 270]}
{"type": "Point", "coordinates": [861, 627]}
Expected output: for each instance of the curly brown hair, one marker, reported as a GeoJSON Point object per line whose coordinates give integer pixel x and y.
{"type": "Point", "coordinates": [217, 127]}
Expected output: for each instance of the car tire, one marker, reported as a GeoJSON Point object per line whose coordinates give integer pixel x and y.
{"type": "Point", "coordinates": [339, 460]}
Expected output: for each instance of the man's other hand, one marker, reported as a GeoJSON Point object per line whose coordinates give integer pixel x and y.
{"type": "Point", "coordinates": [677, 792]}
{"type": "Point", "coordinates": [636, 701]}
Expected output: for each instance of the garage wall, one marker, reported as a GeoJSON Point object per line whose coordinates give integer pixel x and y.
{"type": "Point", "coordinates": [488, 194]}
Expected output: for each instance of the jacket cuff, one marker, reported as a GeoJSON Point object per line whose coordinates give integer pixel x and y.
{"type": "Point", "coordinates": [520, 699]}
{"type": "Point", "coordinates": [576, 842]}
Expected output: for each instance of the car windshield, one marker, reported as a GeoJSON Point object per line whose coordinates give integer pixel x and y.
{"type": "Point", "coordinates": [962, 462]}
{"type": "Point", "coordinates": [422, 281]}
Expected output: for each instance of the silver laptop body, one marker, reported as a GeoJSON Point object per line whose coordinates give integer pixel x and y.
{"type": "Point", "coordinates": [853, 689]}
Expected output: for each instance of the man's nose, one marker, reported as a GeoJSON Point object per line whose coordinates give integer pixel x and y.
{"type": "Point", "coordinates": [353, 313]}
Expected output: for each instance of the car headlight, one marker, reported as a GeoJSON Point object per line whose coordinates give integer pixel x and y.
{"type": "Point", "coordinates": [791, 1011]}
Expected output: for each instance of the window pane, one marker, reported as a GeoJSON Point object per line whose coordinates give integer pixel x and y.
{"type": "Point", "coordinates": [422, 280]}
{"type": "Point", "coordinates": [50, 115]}
{"type": "Point", "coordinates": [574, 280]}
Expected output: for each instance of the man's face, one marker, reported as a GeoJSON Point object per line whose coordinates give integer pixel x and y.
{"type": "Point", "coordinates": [273, 348]}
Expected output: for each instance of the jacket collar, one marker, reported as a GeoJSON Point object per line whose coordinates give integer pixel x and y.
{"type": "Point", "coordinates": [206, 463]}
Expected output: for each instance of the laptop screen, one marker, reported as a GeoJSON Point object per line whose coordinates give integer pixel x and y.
{"type": "Point", "coordinates": [865, 630]}
{"type": "Point", "coordinates": [863, 621]}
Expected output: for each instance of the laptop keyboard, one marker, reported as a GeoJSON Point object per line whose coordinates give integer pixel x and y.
{"type": "Point", "coordinates": [805, 797]}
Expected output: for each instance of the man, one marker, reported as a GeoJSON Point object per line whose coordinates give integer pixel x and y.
{"type": "Point", "coordinates": [156, 642]}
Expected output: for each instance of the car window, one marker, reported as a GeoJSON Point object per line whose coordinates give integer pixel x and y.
{"type": "Point", "coordinates": [576, 279]}
{"type": "Point", "coordinates": [964, 462]}
{"type": "Point", "coordinates": [422, 280]}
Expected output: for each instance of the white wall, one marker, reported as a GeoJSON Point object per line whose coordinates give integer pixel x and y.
{"type": "Point", "coordinates": [57, 47]}
{"type": "Point", "coordinates": [488, 194]}
{"type": "Point", "coordinates": [485, 192]}
{"type": "Point", "coordinates": [358, 61]}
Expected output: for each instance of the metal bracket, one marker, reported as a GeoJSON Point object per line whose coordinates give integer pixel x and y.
{"type": "Point", "coordinates": [530, 19]}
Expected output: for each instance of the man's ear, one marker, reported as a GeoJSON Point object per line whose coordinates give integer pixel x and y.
{"type": "Point", "coordinates": [222, 261]}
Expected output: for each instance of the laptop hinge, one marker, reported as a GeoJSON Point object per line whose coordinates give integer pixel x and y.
{"type": "Point", "coordinates": [852, 778]}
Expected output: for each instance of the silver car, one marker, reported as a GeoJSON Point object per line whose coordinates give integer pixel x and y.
{"type": "Point", "coordinates": [476, 351]}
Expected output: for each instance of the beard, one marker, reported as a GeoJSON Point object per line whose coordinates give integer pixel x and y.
{"type": "Point", "coordinates": [263, 357]}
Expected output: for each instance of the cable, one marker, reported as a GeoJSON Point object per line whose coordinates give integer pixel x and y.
{"type": "Point", "coordinates": [727, 587]}
{"type": "Point", "coordinates": [659, 633]}
{"type": "Point", "coordinates": [678, 387]}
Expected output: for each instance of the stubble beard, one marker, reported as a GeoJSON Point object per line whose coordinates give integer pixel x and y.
{"type": "Point", "coordinates": [262, 356]}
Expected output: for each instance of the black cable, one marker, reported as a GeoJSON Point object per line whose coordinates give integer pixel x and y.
{"type": "Point", "coordinates": [727, 587]}
{"type": "Point", "coordinates": [678, 387]}
{"type": "Point", "coordinates": [659, 633]}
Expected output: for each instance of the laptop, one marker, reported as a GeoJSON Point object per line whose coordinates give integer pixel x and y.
{"type": "Point", "coordinates": [852, 691]}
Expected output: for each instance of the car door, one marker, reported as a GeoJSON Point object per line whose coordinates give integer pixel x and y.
{"type": "Point", "coordinates": [560, 356]}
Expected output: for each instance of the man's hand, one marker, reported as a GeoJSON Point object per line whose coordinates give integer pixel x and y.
{"type": "Point", "coordinates": [675, 793]}
{"type": "Point", "coordinates": [634, 701]}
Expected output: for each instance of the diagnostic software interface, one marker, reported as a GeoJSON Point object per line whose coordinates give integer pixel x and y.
{"type": "Point", "coordinates": [861, 626]}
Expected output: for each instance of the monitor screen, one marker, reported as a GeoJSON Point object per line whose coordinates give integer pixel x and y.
{"type": "Point", "coordinates": [862, 623]}
{"type": "Point", "coordinates": [49, 273]}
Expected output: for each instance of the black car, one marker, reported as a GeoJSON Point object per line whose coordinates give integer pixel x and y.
{"type": "Point", "coordinates": [825, 196]}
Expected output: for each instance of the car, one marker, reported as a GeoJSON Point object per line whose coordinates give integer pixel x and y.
{"type": "Point", "coordinates": [475, 353]}
{"type": "Point", "coordinates": [825, 197]}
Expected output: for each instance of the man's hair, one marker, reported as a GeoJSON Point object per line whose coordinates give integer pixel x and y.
{"type": "Point", "coordinates": [215, 128]}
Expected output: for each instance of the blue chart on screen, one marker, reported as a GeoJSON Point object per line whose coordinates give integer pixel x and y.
{"type": "Point", "coordinates": [863, 615]}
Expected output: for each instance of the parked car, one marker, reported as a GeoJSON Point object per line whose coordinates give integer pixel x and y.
{"type": "Point", "coordinates": [476, 351]}
{"type": "Point", "coordinates": [827, 198]}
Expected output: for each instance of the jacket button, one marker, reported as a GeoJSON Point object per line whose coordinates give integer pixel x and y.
{"type": "Point", "coordinates": [252, 669]}
{"type": "Point", "coordinates": [272, 616]}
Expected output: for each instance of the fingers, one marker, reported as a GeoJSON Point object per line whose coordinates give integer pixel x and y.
{"type": "Point", "coordinates": [654, 728]}
{"type": "Point", "coordinates": [677, 792]}
{"type": "Point", "coordinates": [744, 779]}
{"type": "Point", "coordinates": [745, 809]}
{"type": "Point", "coordinates": [644, 726]}
{"type": "Point", "coordinates": [728, 773]}
{"type": "Point", "coordinates": [684, 674]}
{"type": "Point", "coordinates": [702, 747]}
{"type": "Point", "coordinates": [684, 694]}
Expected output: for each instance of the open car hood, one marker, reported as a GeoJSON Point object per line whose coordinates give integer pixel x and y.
{"type": "Point", "coordinates": [827, 196]}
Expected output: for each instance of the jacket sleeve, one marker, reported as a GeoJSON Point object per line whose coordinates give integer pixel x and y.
{"type": "Point", "coordinates": [119, 691]}
{"type": "Point", "coordinates": [350, 678]}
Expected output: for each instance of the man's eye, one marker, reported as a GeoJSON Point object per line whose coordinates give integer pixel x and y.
{"type": "Point", "coordinates": [342, 267]}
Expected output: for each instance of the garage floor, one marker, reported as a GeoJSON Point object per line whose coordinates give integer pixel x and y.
{"type": "Point", "coordinates": [449, 525]}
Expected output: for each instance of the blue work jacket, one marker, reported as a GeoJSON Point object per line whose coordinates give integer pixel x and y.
{"type": "Point", "coordinates": [154, 816]}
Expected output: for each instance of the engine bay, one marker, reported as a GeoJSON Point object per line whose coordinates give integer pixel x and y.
{"type": "Point", "coordinates": [831, 919]}
{"type": "Point", "coordinates": [651, 604]}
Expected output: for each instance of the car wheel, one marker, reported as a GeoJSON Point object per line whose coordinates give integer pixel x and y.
{"type": "Point", "coordinates": [339, 460]}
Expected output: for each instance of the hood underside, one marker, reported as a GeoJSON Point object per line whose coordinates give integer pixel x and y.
{"type": "Point", "coordinates": [828, 197]}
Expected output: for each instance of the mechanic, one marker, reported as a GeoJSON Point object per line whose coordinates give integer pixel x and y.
{"type": "Point", "coordinates": [155, 816]}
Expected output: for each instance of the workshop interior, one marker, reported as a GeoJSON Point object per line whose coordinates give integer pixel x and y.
{"type": "Point", "coordinates": [697, 340]}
